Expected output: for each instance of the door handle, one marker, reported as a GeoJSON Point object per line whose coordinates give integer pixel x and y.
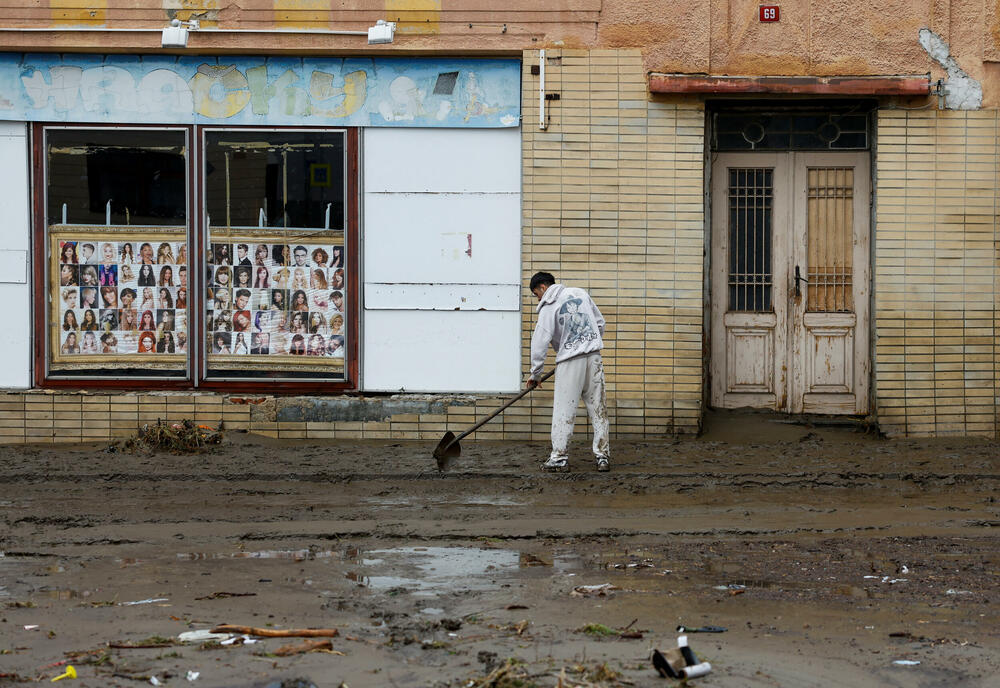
{"type": "Point", "coordinates": [799, 278]}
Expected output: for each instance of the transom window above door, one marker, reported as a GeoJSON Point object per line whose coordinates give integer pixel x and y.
{"type": "Point", "coordinates": [752, 128]}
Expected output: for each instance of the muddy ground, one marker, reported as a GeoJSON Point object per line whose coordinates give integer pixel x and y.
{"type": "Point", "coordinates": [829, 555]}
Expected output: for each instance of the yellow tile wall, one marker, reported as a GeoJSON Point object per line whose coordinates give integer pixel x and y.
{"type": "Point", "coordinates": [613, 202]}
{"type": "Point", "coordinates": [937, 273]}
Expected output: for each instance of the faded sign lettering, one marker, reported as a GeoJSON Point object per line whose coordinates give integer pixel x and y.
{"type": "Point", "coordinates": [198, 90]}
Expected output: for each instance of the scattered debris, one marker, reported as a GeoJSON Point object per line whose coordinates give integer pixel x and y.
{"type": "Point", "coordinates": [224, 595]}
{"type": "Point", "coordinates": [238, 640]}
{"type": "Point", "coordinates": [528, 559]}
{"type": "Point", "coordinates": [141, 646]}
{"type": "Point", "coordinates": [597, 630]}
{"type": "Point", "coordinates": [625, 634]}
{"type": "Point", "coordinates": [601, 590]}
{"type": "Point", "coordinates": [13, 677]}
{"type": "Point", "coordinates": [31, 627]}
{"type": "Point", "coordinates": [516, 606]}
{"type": "Point", "coordinates": [151, 600]}
{"type": "Point", "coordinates": [679, 662]}
{"type": "Point", "coordinates": [906, 662]}
{"type": "Point", "coordinates": [644, 564]}
{"type": "Point", "coordinates": [193, 676]}
{"type": "Point", "coordinates": [702, 629]}
{"type": "Point", "coordinates": [276, 633]}
{"type": "Point", "coordinates": [889, 579]}
{"type": "Point", "coordinates": [519, 628]}
{"type": "Point", "coordinates": [510, 674]}
{"type": "Point", "coordinates": [69, 673]}
{"type": "Point", "coordinates": [488, 658]}
{"type": "Point", "coordinates": [303, 647]}
{"type": "Point", "coordinates": [201, 635]}
{"type": "Point", "coordinates": [179, 438]}
{"type": "Point", "coordinates": [952, 591]}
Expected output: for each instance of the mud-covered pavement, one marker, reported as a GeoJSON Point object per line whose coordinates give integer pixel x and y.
{"type": "Point", "coordinates": [827, 554]}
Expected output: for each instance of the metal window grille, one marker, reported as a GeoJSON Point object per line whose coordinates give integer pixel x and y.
{"type": "Point", "coordinates": [750, 206]}
{"type": "Point", "coordinates": [831, 233]}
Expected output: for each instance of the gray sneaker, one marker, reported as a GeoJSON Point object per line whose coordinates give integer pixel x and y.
{"type": "Point", "coordinates": [556, 466]}
{"type": "Point", "coordinates": [603, 465]}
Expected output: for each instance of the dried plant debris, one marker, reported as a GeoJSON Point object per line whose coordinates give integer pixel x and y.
{"type": "Point", "coordinates": [185, 437]}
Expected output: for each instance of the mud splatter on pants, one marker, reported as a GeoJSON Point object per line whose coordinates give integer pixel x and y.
{"type": "Point", "coordinates": [583, 375]}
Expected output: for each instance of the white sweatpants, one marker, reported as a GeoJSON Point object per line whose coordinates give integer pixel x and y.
{"type": "Point", "coordinates": [583, 375]}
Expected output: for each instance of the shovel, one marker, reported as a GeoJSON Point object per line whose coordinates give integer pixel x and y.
{"type": "Point", "coordinates": [448, 448]}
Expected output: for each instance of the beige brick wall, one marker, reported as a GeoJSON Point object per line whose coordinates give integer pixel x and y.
{"type": "Point", "coordinates": [937, 273]}
{"type": "Point", "coordinates": [613, 202]}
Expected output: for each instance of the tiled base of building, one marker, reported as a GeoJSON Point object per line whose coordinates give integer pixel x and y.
{"type": "Point", "coordinates": [60, 416]}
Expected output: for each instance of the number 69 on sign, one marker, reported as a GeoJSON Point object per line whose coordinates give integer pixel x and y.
{"type": "Point", "coordinates": [769, 13]}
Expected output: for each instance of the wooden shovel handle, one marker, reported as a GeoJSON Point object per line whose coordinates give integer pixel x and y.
{"type": "Point", "coordinates": [503, 408]}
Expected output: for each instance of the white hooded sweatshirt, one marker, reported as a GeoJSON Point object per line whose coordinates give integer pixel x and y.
{"type": "Point", "coordinates": [570, 322]}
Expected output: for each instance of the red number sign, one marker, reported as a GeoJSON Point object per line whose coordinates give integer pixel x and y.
{"type": "Point", "coordinates": [769, 13]}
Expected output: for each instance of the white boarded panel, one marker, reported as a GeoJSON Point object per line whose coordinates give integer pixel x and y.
{"type": "Point", "coordinates": [443, 160]}
{"type": "Point", "coordinates": [442, 351]}
{"type": "Point", "coordinates": [442, 297]}
{"type": "Point", "coordinates": [15, 337]}
{"type": "Point", "coordinates": [443, 238]}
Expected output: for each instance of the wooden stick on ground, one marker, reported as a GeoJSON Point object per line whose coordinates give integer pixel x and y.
{"type": "Point", "coordinates": [304, 646]}
{"type": "Point", "coordinates": [276, 633]}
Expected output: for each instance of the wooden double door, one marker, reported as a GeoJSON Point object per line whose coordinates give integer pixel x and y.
{"type": "Point", "coordinates": [790, 276]}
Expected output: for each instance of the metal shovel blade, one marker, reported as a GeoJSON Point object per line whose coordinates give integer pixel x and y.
{"type": "Point", "coordinates": [446, 450]}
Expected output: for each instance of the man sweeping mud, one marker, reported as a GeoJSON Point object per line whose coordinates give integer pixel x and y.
{"type": "Point", "coordinates": [569, 320]}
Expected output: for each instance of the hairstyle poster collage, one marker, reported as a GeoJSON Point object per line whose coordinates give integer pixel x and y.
{"type": "Point", "coordinates": [276, 299]}
{"type": "Point", "coordinates": [121, 297]}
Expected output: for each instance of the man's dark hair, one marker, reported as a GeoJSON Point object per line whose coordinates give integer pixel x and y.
{"type": "Point", "coordinates": [540, 278]}
{"type": "Point", "coordinates": [243, 292]}
{"type": "Point", "coordinates": [243, 246]}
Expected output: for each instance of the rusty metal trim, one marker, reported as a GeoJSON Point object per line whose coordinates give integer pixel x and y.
{"type": "Point", "coordinates": [906, 85]}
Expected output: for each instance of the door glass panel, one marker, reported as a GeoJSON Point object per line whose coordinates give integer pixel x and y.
{"type": "Point", "coordinates": [750, 204]}
{"type": "Point", "coordinates": [831, 231]}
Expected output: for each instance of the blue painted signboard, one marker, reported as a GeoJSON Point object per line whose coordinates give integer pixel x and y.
{"type": "Point", "coordinates": [388, 92]}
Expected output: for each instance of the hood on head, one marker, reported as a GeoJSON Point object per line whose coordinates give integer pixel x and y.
{"type": "Point", "coordinates": [550, 295]}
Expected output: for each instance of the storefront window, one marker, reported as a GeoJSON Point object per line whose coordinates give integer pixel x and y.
{"type": "Point", "coordinates": [276, 286]}
{"type": "Point", "coordinates": [117, 241]}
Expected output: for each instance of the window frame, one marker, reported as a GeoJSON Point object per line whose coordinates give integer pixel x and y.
{"type": "Point", "coordinates": [195, 377]}
{"type": "Point", "coordinates": [352, 262]}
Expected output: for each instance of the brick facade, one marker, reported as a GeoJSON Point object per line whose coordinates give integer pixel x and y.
{"type": "Point", "coordinates": [937, 273]}
{"type": "Point", "coordinates": [613, 202]}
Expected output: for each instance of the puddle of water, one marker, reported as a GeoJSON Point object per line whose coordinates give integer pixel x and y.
{"type": "Point", "coordinates": [428, 570]}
